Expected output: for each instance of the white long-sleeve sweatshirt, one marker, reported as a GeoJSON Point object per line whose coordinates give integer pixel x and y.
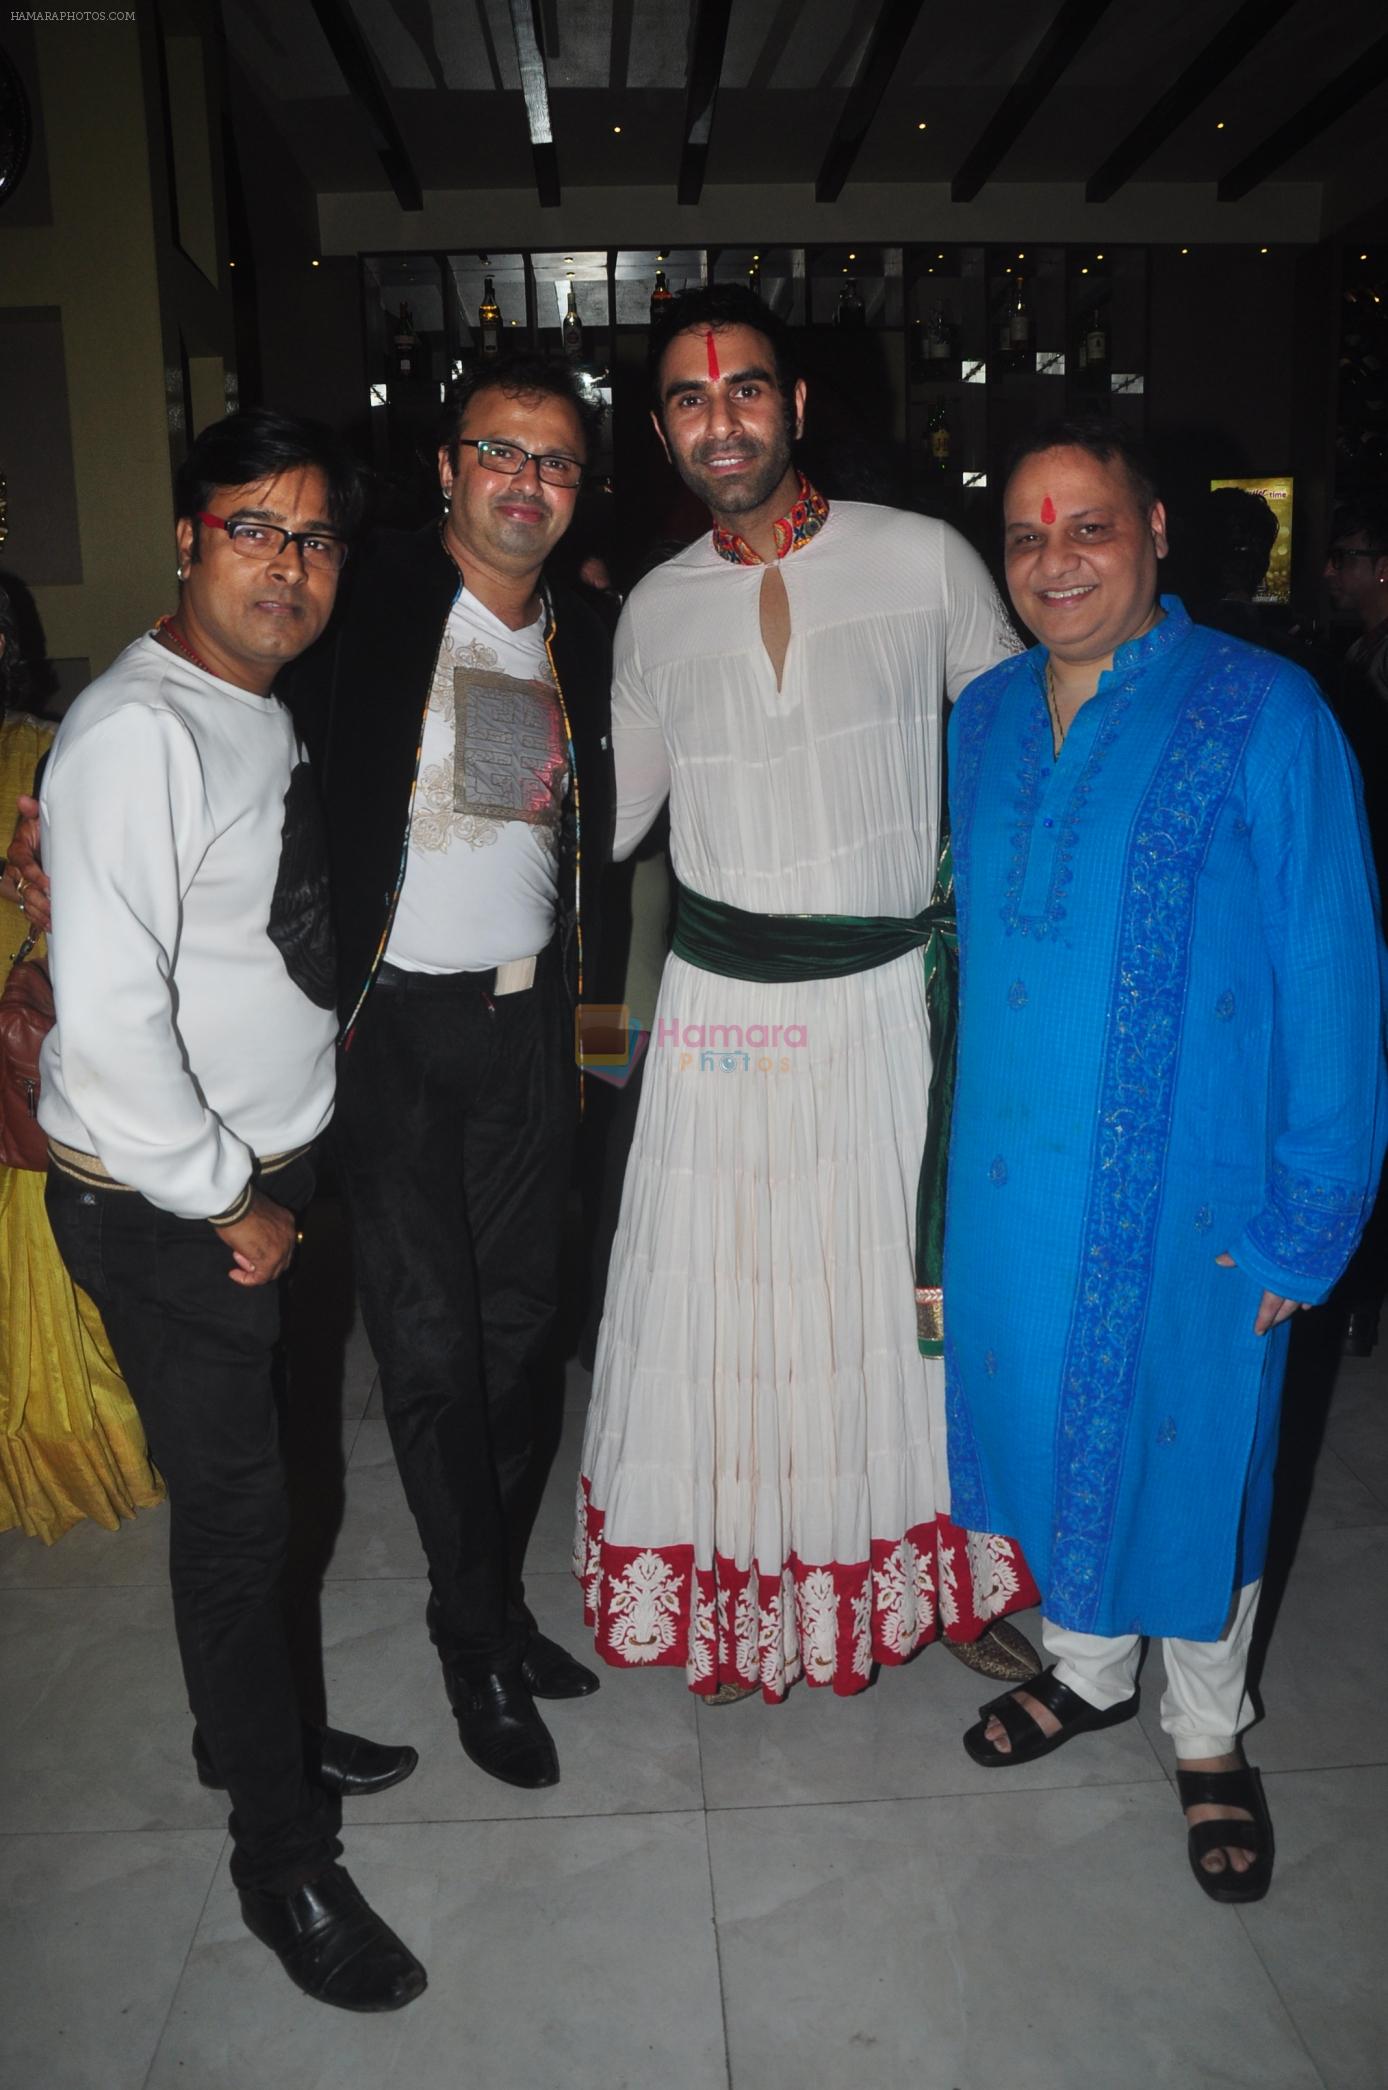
{"type": "Point", "coordinates": [182, 1046]}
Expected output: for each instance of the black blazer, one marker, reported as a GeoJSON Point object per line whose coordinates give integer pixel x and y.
{"type": "Point", "coordinates": [358, 698]}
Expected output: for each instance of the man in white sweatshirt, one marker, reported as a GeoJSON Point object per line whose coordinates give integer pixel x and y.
{"type": "Point", "coordinates": [189, 1074]}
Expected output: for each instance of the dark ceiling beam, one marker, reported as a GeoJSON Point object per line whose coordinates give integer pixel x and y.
{"type": "Point", "coordinates": [1243, 31]}
{"type": "Point", "coordinates": [888, 40]}
{"type": "Point", "coordinates": [358, 68]}
{"type": "Point", "coordinates": [619, 59]}
{"type": "Point", "coordinates": [535, 87]}
{"type": "Point", "coordinates": [1368, 72]}
{"type": "Point", "coordinates": [1070, 25]}
{"type": "Point", "coordinates": [708, 36]}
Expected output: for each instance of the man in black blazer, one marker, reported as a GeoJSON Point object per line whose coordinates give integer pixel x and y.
{"type": "Point", "coordinates": [457, 716]}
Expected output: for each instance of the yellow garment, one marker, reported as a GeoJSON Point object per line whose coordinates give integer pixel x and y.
{"type": "Point", "coordinates": [71, 1445]}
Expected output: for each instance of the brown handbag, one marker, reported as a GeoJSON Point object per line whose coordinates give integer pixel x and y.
{"type": "Point", "coordinates": [26, 1018]}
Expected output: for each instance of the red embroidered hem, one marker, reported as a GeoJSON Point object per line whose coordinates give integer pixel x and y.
{"type": "Point", "coordinates": [651, 1607]}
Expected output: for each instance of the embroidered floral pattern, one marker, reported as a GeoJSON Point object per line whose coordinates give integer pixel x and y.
{"type": "Point", "coordinates": [652, 1606]}
{"type": "Point", "coordinates": [1033, 767]}
{"type": "Point", "coordinates": [1307, 1228]}
{"type": "Point", "coordinates": [966, 1492]}
{"type": "Point", "coordinates": [1170, 837]}
{"type": "Point", "coordinates": [792, 532]}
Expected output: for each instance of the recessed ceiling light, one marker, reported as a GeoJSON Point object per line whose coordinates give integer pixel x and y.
{"type": "Point", "coordinates": [1220, 125]}
{"type": "Point", "coordinates": [1185, 250]}
{"type": "Point", "coordinates": [232, 264]}
{"type": "Point", "coordinates": [1262, 250]}
{"type": "Point", "coordinates": [920, 126]}
{"type": "Point", "coordinates": [1084, 272]}
{"type": "Point", "coordinates": [616, 130]}
{"type": "Point", "coordinates": [1363, 257]}
{"type": "Point", "coordinates": [853, 257]}
{"type": "Point", "coordinates": [1098, 257]}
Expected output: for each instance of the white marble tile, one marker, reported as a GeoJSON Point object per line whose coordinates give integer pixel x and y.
{"type": "Point", "coordinates": [96, 1931]}
{"type": "Point", "coordinates": [358, 1370]}
{"type": "Point", "coordinates": [1357, 1428]}
{"type": "Point", "coordinates": [1322, 1683]}
{"type": "Point", "coordinates": [566, 1955]}
{"type": "Point", "coordinates": [1320, 1687]}
{"type": "Point", "coordinates": [89, 1558]}
{"type": "Point", "coordinates": [1339, 1498]}
{"type": "Point", "coordinates": [900, 1739]}
{"type": "Point", "coordinates": [578, 1386]}
{"type": "Point", "coordinates": [632, 1747]}
{"type": "Point", "coordinates": [96, 1731]}
{"type": "Point", "coordinates": [551, 1542]}
{"type": "Point", "coordinates": [1042, 1940]}
{"type": "Point", "coordinates": [1320, 1931]}
{"type": "Point", "coordinates": [377, 1535]}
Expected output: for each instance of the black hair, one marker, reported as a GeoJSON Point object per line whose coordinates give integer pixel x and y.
{"type": "Point", "coordinates": [716, 305]}
{"type": "Point", "coordinates": [1363, 515]}
{"type": "Point", "coordinates": [1233, 532]}
{"type": "Point", "coordinates": [1103, 440]}
{"type": "Point", "coordinates": [258, 443]}
{"type": "Point", "coordinates": [14, 672]}
{"type": "Point", "coordinates": [522, 376]}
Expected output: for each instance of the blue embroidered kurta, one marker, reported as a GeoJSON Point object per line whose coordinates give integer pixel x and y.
{"type": "Point", "coordinates": [1171, 1044]}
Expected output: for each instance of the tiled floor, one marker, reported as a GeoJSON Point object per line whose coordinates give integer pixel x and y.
{"type": "Point", "coordinates": [819, 1896]}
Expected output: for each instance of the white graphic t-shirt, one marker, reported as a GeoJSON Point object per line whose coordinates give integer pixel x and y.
{"type": "Point", "coordinates": [482, 866]}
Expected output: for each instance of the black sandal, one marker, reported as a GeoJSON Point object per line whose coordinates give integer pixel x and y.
{"type": "Point", "coordinates": [1240, 1788]}
{"type": "Point", "coordinates": [1075, 1714]}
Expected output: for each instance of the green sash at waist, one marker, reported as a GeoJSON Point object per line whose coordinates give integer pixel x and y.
{"type": "Point", "coordinates": [740, 945]}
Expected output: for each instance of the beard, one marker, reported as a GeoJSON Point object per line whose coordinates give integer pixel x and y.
{"type": "Point", "coordinates": [768, 464]}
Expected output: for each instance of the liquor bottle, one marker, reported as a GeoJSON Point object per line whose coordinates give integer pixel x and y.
{"type": "Point", "coordinates": [662, 297]}
{"type": "Point", "coordinates": [1095, 341]}
{"type": "Point", "coordinates": [405, 345]}
{"type": "Point", "coordinates": [851, 312]}
{"type": "Point", "coordinates": [1019, 321]}
{"type": "Point", "coordinates": [938, 439]}
{"type": "Point", "coordinates": [571, 330]}
{"type": "Point", "coordinates": [489, 321]}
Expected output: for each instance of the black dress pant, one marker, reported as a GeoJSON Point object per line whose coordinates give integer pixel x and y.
{"type": "Point", "coordinates": [454, 1129]}
{"type": "Point", "coordinates": [197, 1353]}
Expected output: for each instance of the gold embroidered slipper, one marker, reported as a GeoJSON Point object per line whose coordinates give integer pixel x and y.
{"type": "Point", "coordinates": [730, 1694]}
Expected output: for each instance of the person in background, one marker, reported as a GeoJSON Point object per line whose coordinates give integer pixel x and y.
{"type": "Point", "coordinates": [1169, 1119]}
{"type": "Point", "coordinates": [71, 1444]}
{"type": "Point", "coordinates": [1356, 580]}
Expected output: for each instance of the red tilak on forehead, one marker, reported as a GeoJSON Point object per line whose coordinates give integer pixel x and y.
{"type": "Point", "coordinates": [1047, 509]}
{"type": "Point", "coordinates": [713, 369]}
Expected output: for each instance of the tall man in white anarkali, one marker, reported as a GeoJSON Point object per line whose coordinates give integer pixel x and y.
{"type": "Point", "coordinates": [765, 1492]}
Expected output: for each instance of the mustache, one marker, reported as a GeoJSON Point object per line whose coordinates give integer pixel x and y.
{"type": "Point", "coordinates": [707, 450]}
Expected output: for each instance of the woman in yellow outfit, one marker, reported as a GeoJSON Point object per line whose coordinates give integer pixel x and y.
{"type": "Point", "coordinates": [71, 1445]}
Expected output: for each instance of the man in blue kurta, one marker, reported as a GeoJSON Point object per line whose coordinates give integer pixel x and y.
{"type": "Point", "coordinates": [1169, 1120]}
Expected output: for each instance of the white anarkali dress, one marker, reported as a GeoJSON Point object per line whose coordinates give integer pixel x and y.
{"type": "Point", "coordinates": [764, 1489]}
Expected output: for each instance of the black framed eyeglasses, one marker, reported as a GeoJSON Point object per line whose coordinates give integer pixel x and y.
{"type": "Point", "coordinates": [1338, 553]}
{"type": "Point", "coordinates": [552, 465]}
{"type": "Point", "coordinates": [260, 540]}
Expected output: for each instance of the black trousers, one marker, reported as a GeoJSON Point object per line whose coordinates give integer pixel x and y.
{"type": "Point", "coordinates": [197, 1353]}
{"type": "Point", "coordinates": [455, 1121]}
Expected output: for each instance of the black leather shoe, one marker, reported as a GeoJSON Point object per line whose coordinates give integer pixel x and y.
{"type": "Point", "coordinates": [550, 1672]}
{"type": "Point", "coordinates": [500, 1729]}
{"type": "Point", "coordinates": [342, 1763]}
{"type": "Point", "coordinates": [334, 1946]}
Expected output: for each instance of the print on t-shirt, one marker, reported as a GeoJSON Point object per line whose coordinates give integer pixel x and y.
{"type": "Point", "coordinates": [508, 748]}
